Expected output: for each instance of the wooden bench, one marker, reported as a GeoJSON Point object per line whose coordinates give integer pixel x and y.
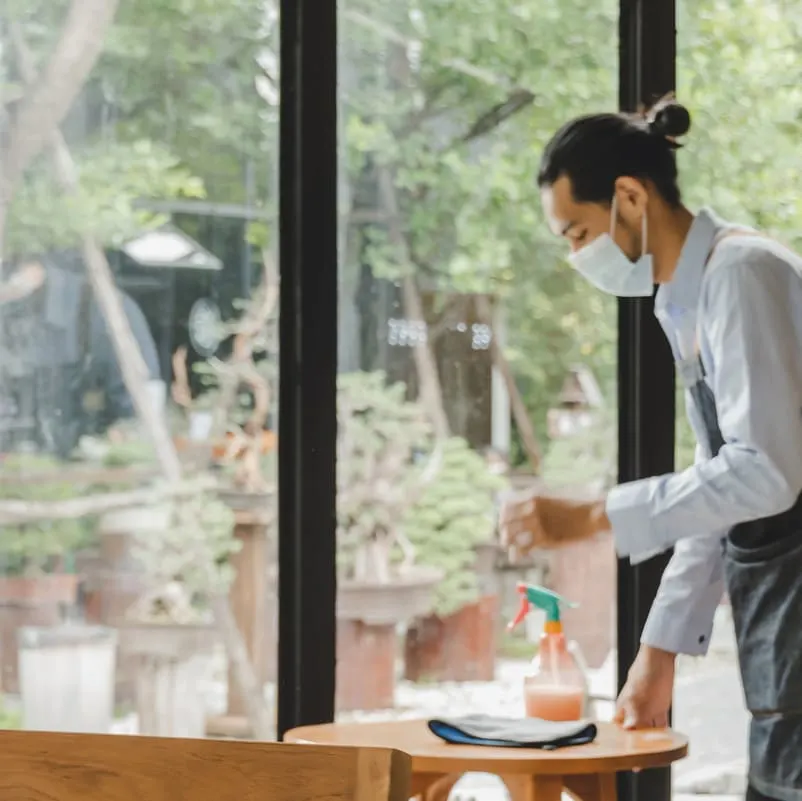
{"type": "Point", "coordinates": [38, 766]}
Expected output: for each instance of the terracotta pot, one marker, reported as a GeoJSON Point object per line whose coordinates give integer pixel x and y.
{"type": "Point", "coordinates": [368, 616]}
{"type": "Point", "coordinates": [29, 601]}
{"type": "Point", "coordinates": [366, 656]}
{"type": "Point", "coordinates": [115, 579]}
{"type": "Point", "coordinates": [459, 647]}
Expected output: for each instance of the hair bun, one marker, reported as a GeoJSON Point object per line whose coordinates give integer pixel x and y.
{"type": "Point", "coordinates": [669, 119]}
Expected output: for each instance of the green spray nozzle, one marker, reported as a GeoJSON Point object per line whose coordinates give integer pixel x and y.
{"type": "Point", "coordinates": [547, 600]}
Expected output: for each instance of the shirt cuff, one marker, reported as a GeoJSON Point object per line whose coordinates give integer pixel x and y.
{"type": "Point", "coordinates": [629, 510]}
{"type": "Point", "coordinates": [684, 630]}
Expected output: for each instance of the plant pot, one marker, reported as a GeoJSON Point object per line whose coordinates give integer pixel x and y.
{"type": "Point", "coordinates": [29, 601]}
{"type": "Point", "coordinates": [458, 647]}
{"type": "Point", "coordinates": [116, 579]}
{"type": "Point", "coordinates": [173, 664]}
{"type": "Point", "coordinates": [461, 646]}
{"type": "Point", "coordinates": [368, 616]}
{"type": "Point", "coordinates": [66, 676]}
{"type": "Point", "coordinates": [403, 599]}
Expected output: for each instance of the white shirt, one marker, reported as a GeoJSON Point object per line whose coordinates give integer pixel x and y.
{"type": "Point", "coordinates": [748, 304]}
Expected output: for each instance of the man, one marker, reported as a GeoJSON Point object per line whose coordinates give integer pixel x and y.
{"type": "Point", "coordinates": [730, 303]}
{"type": "Point", "coordinates": [59, 376]}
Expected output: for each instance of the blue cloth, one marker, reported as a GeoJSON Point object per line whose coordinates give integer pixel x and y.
{"type": "Point", "coordinates": [513, 732]}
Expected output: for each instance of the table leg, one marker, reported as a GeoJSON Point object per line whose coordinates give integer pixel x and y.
{"type": "Point", "coordinates": [592, 787]}
{"type": "Point", "coordinates": [433, 786]}
{"type": "Point", "coordinates": [534, 788]}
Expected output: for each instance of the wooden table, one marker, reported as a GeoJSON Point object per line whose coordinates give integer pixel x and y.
{"type": "Point", "coordinates": [586, 771]}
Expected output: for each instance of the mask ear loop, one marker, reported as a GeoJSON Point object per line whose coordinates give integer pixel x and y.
{"type": "Point", "coordinates": [613, 215]}
{"type": "Point", "coordinates": [644, 230]}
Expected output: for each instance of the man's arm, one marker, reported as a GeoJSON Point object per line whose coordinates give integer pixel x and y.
{"type": "Point", "coordinates": [681, 618]}
{"type": "Point", "coordinates": [749, 336]}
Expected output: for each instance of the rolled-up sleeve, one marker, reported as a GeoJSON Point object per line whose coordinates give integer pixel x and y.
{"type": "Point", "coordinates": [751, 342]}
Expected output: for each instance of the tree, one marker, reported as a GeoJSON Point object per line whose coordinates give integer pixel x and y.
{"type": "Point", "coordinates": [453, 103]}
{"type": "Point", "coordinates": [48, 86]}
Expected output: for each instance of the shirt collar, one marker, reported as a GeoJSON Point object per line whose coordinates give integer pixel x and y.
{"type": "Point", "coordinates": [682, 292]}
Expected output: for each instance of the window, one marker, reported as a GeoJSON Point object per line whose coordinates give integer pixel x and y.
{"type": "Point", "coordinates": [742, 160]}
{"type": "Point", "coordinates": [138, 367]}
{"type": "Point", "coordinates": [471, 356]}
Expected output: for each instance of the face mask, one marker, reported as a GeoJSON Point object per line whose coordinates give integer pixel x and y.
{"type": "Point", "coordinates": [607, 267]}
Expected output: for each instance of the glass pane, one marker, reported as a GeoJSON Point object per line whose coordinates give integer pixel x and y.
{"type": "Point", "coordinates": [471, 356]}
{"type": "Point", "coordinates": [138, 366]}
{"type": "Point", "coordinates": [742, 160]}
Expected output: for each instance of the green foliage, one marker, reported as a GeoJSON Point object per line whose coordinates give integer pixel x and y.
{"type": "Point", "coordinates": [10, 718]}
{"type": "Point", "coordinates": [464, 174]}
{"type": "Point", "coordinates": [172, 110]}
{"type": "Point", "coordinates": [454, 514]}
{"type": "Point", "coordinates": [195, 547]}
{"type": "Point", "coordinates": [588, 458]}
{"type": "Point", "coordinates": [113, 178]}
{"type": "Point", "coordinates": [31, 548]}
{"type": "Point", "coordinates": [130, 453]}
{"type": "Point", "coordinates": [379, 436]}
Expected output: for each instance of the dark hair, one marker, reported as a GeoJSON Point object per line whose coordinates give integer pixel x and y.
{"type": "Point", "coordinates": [597, 149]}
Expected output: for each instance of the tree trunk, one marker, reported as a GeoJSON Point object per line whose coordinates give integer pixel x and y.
{"type": "Point", "coordinates": [126, 348]}
{"type": "Point", "coordinates": [431, 392]}
{"type": "Point", "coordinates": [519, 411]}
{"type": "Point", "coordinates": [51, 94]}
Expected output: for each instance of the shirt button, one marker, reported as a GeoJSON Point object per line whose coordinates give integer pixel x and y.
{"type": "Point", "coordinates": [702, 639]}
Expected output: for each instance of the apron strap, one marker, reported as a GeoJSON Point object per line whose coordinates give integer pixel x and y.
{"type": "Point", "coordinates": [726, 233]}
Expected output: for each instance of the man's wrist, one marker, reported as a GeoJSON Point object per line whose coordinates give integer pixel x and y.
{"type": "Point", "coordinates": [657, 655]}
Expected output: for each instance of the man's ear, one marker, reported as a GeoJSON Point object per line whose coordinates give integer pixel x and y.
{"type": "Point", "coordinates": [632, 198]}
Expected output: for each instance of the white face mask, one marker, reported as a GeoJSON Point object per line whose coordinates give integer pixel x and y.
{"type": "Point", "coordinates": [608, 268]}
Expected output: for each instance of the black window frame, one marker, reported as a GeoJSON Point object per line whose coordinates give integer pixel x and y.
{"type": "Point", "coordinates": [646, 383]}
{"type": "Point", "coordinates": [308, 361]}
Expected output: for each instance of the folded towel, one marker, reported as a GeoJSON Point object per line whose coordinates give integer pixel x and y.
{"type": "Point", "coordinates": [513, 732]}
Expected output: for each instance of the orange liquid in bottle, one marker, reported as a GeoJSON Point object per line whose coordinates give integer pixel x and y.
{"type": "Point", "coordinates": [556, 689]}
{"type": "Point", "coordinates": [554, 702]}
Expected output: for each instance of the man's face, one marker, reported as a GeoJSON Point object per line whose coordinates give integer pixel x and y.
{"type": "Point", "coordinates": [581, 223]}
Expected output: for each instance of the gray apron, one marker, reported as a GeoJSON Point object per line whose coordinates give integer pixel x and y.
{"type": "Point", "coordinates": [763, 572]}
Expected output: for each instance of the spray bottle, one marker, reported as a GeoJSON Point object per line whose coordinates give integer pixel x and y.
{"type": "Point", "coordinates": [557, 687]}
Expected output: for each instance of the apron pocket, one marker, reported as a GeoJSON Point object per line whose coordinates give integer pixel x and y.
{"type": "Point", "coordinates": [765, 589]}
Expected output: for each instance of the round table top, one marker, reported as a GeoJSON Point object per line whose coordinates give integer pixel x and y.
{"type": "Point", "coordinates": [613, 749]}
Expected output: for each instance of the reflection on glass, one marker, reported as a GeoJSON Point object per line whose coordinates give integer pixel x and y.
{"type": "Point", "coordinates": [742, 160]}
{"type": "Point", "coordinates": [138, 353]}
{"type": "Point", "coordinates": [472, 360]}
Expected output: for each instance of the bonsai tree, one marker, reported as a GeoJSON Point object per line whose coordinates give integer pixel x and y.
{"type": "Point", "coordinates": [44, 545]}
{"type": "Point", "coordinates": [187, 563]}
{"type": "Point", "coordinates": [586, 459]}
{"type": "Point", "coordinates": [382, 442]}
{"type": "Point", "coordinates": [454, 514]}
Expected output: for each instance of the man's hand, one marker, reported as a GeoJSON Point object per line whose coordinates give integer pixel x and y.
{"type": "Point", "coordinates": [541, 521]}
{"type": "Point", "coordinates": [646, 698]}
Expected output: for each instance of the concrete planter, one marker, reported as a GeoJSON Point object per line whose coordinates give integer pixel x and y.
{"type": "Point", "coordinates": [66, 678]}
{"type": "Point", "coordinates": [29, 601]}
{"type": "Point", "coordinates": [173, 666]}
